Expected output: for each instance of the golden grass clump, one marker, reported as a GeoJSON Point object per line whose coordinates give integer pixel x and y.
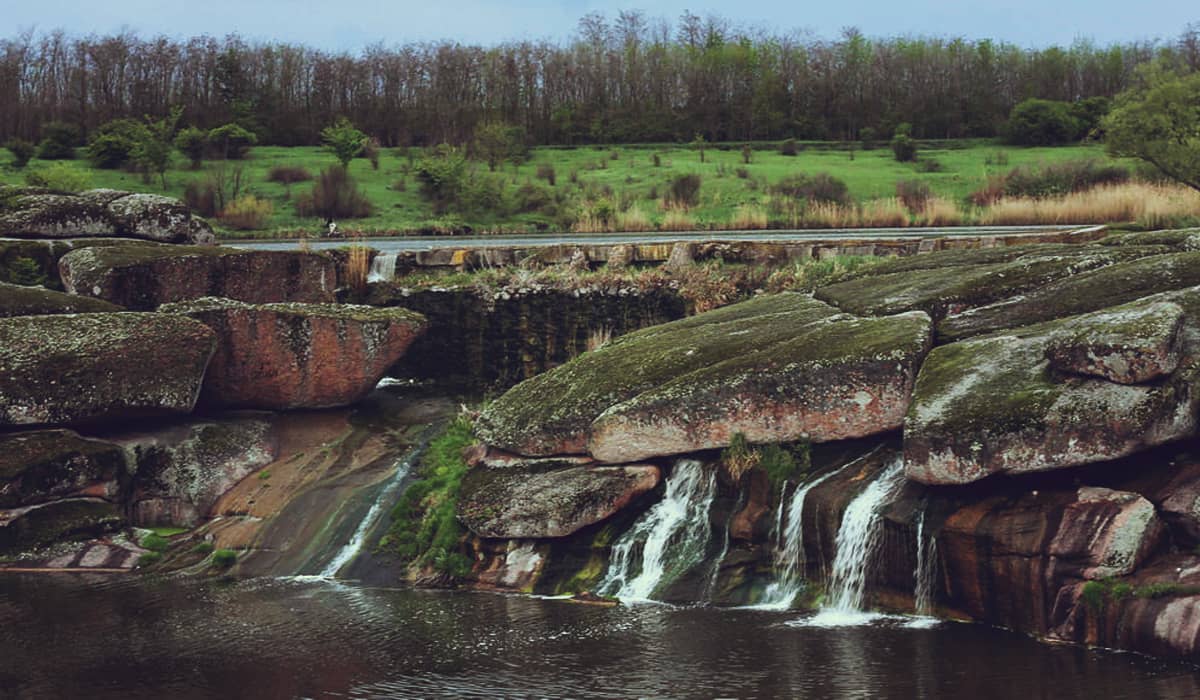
{"type": "Point", "coordinates": [358, 266]}
{"type": "Point", "coordinates": [677, 220]}
{"type": "Point", "coordinates": [750, 217]}
{"type": "Point", "coordinates": [246, 213]}
{"type": "Point", "coordinates": [1145, 203]}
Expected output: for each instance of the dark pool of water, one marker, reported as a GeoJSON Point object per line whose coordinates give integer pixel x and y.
{"type": "Point", "coordinates": [70, 637]}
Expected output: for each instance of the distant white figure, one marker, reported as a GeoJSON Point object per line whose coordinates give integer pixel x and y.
{"type": "Point", "coordinates": [332, 228]}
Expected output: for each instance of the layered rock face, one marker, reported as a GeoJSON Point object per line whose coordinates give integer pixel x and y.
{"type": "Point", "coordinates": [144, 277]}
{"type": "Point", "coordinates": [35, 301]}
{"type": "Point", "coordinates": [777, 368]}
{"type": "Point", "coordinates": [285, 356]}
{"type": "Point", "coordinates": [36, 213]}
{"type": "Point", "coordinates": [89, 367]}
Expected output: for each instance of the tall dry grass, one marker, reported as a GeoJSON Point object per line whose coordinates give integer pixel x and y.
{"type": "Point", "coordinates": [358, 266]}
{"type": "Point", "coordinates": [677, 220]}
{"type": "Point", "coordinates": [750, 217]}
{"type": "Point", "coordinates": [1150, 204]}
{"type": "Point", "coordinates": [940, 212]}
{"type": "Point", "coordinates": [633, 219]}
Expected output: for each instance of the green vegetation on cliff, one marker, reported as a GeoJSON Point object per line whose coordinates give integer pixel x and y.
{"type": "Point", "coordinates": [425, 530]}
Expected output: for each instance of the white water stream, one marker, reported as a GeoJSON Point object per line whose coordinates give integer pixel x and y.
{"type": "Point", "coordinates": [383, 500]}
{"type": "Point", "coordinates": [383, 268]}
{"type": "Point", "coordinates": [672, 536]}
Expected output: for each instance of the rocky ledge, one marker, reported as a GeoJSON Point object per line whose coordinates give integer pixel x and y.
{"type": "Point", "coordinates": [27, 212]}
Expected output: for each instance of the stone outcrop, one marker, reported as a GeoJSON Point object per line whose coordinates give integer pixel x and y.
{"type": "Point", "coordinates": [44, 465]}
{"type": "Point", "coordinates": [37, 213]}
{"type": "Point", "coordinates": [180, 471]}
{"type": "Point", "coordinates": [30, 527]}
{"type": "Point", "coordinates": [21, 257]}
{"type": "Point", "coordinates": [16, 300]}
{"type": "Point", "coordinates": [548, 500]}
{"type": "Point", "coordinates": [89, 367]}
{"type": "Point", "coordinates": [777, 368]}
{"type": "Point", "coordinates": [997, 404]}
{"type": "Point", "coordinates": [284, 356]}
{"type": "Point", "coordinates": [144, 277]}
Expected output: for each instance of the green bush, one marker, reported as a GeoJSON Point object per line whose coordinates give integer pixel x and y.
{"type": "Point", "coordinates": [113, 144]}
{"type": "Point", "coordinates": [60, 177]}
{"type": "Point", "coordinates": [867, 136]}
{"type": "Point", "coordinates": [26, 272]}
{"type": "Point", "coordinates": [684, 190]}
{"type": "Point", "coordinates": [344, 141]}
{"type": "Point", "coordinates": [821, 187]}
{"type": "Point", "coordinates": [155, 542]}
{"type": "Point", "coordinates": [192, 143]}
{"type": "Point", "coordinates": [224, 558]}
{"type": "Point", "coordinates": [1037, 122]}
{"type": "Point", "coordinates": [232, 141]}
{"type": "Point", "coordinates": [789, 148]}
{"type": "Point", "coordinates": [904, 148]}
{"type": "Point", "coordinates": [1050, 180]}
{"type": "Point", "coordinates": [59, 140]}
{"type": "Point", "coordinates": [22, 152]}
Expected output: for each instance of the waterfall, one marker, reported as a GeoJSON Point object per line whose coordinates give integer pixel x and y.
{"type": "Point", "coordinates": [789, 557]}
{"type": "Point", "coordinates": [383, 268]}
{"type": "Point", "coordinates": [926, 568]}
{"type": "Point", "coordinates": [671, 537]}
{"type": "Point", "coordinates": [710, 588]}
{"type": "Point", "coordinates": [857, 541]}
{"type": "Point", "coordinates": [385, 498]}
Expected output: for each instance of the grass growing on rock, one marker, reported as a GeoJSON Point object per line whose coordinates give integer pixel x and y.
{"type": "Point", "coordinates": [425, 530]}
{"type": "Point", "coordinates": [780, 461]}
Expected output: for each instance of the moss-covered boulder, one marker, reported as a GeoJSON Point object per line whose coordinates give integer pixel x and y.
{"type": "Point", "coordinates": [777, 368]}
{"type": "Point", "coordinates": [143, 277]}
{"type": "Point", "coordinates": [998, 404]}
{"type": "Point", "coordinates": [944, 283]}
{"type": "Point", "coordinates": [35, 262]}
{"type": "Point", "coordinates": [16, 300]}
{"type": "Point", "coordinates": [24, 529]}
{"type": "Point", "coordinates": [42, 465]}
{"type": "Point", "coordinates": [37, 213]}
{"type": "Point", "coordinates": [181, 470]}
{"type": "Point", "coordinates": [539, 500]}
{"type": "Point", "coordinates": [1082, 293]}
{"type": "Point", "coordinates": [283, 356]}
{"type": "Point", "coordinates": [72, 368]}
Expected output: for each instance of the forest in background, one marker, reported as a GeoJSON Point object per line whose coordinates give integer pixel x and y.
{"type": "Point", "coordinates": [626, 79]}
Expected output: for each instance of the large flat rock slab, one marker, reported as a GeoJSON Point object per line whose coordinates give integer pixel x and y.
{"type": "Point", "coordinates": [36, 213]}
{"type": "Point", "coordinates": [74, 368]}
{"type": "Point", "coordinates": [776, 368]}
{"type": "Point", "coordinates": [144, 277]}
{"type": "Point", "coordinates": [16, 300]}
{"type": "Point", "coordinates": [1040, 398]}
{"type": "Point", "coordinates": [284, 356]}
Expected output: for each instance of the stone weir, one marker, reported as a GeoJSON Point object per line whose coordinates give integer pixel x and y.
{"type": "Point", "coordinates": [1005, 435]}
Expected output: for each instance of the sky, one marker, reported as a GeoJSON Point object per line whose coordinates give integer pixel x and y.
{"type": "Point", "coordinates": [353, 24]}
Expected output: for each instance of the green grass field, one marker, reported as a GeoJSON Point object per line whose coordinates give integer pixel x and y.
{"type": "Point", "coordinates": [586, 173]}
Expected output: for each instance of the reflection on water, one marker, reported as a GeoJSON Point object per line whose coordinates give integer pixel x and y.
{"type": "Point", "coordinates": [271, 638]}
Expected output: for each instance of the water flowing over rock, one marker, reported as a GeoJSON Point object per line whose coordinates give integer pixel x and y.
{"type": "Point", "coordinates": [35, 301]}
{"type": "Point", "coordinates": [547, 498]}
{"type": "Point", "coordinates": [88, 367]}
{"type": "Point", "coordinates": [35, 213]}
{"type": "Point", "coordinates": [283, 356]}
{"type": "Point", "coordinates": [143, 277]}
{"type": "Point", "coordinates": [776, 368]}
{"type": "Point", "coordinates": [997, 404]}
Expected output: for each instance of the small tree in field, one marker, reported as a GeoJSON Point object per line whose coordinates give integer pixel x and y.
{"type": "Point", "coordinates": [904, 148]}
{"type": "Point", "coordinates": [1158, 121]}
{"type": "Point", "coordinates": [497, 142]}
{"type": "Point", "coordinates": [344, 141]}
{"type": "Point", "coordinates": [192, 142]}
{"type": "Point", "coordinates": [153, 152]}
{"type": "Point", "coordinates": [699, 143]}
{"type": "Point", "coordinates": [22, 151]}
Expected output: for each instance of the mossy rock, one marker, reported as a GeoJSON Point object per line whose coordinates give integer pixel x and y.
{"type": "Point", "coordinates": [958, 257]}
{"type": "Point", "coordinates": [1180, 239]}
{"type": "Point", "coordinates": [1083, 293]}
{"type": "Point", "coordinates": [16, 300]}
{"type": "Point", "coordinates": [39, 465]}
{"type": "Point", "coordinates": [35, 213]}
{"type": "Point", "coordinates": [37, 526]}
{"type": "Point", "coordinates": [73, 368]}
{"type": "Point", "coordinates": [943, 289]}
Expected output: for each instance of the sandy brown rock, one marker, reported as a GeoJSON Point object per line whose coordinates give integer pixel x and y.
{"type": "Point", "coordinates": [283, 356]}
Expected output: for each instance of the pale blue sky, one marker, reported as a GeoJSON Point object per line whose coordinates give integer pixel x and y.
{"type": "Point", "coordinates": [351, 24]}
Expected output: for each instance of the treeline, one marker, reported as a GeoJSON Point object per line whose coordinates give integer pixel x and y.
{"type": "Point", "coordinates": [622, 80]}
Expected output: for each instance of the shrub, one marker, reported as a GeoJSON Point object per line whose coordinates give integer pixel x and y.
{"type": "Point", "coordinates": [904, 148]}
{"type": "Point", "coordinates": [1037, 122]}
{"type": "Point", "coordinates": [210, 196]}
{"type": "Point", "coordinates": [22, 152]}
{"type": "Point", "coordinates": [657, 160]}
{"type": "Point", "coordinates": [232, 141]}
{"type": "Point", "coordinates": [371, 152]}
{"type": "Point", "coordinates": [288, 174]}
{"type": "Point", "coordinates": [545, 171]}
{"type": "Point", "coordinates": [914, 194]}
{"type": "Point", "coordinates": [684, 191]}
{"type": "Point", "coordinates": [192, 143]}
{"type": "Point", "coordinates": [821, 187]}
{"type": "Point", "coordinates": [867, 135]}
{"type": "Point", "coordinates": [789, 148]}
{"type": "Point", "coordinates": [344, 141]}
{"type": "Point", "coordinates": [59, 176]}
{"type": "Point", "coordinates": [113, 144]}
{"type": "Point", "coordinates": [334, 195]}
{"type": "Point", "coordinates": [59, 140]}
{"type": "Point", "coordinates": [26, 272]}
{"type": "Point", "coordinates": [747, 154]}
{"type": "Point", "coordinates": [246, 213]}
{"type": "Point", "coordinates": [1051, 180]}
{"type": "Point", "coordinates": [1089, 113]}
{"type": "Point", "coordinates": [224, 558]}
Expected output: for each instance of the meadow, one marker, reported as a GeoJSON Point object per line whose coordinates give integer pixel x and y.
{"type": "Point", "coordinates": [593, 188]}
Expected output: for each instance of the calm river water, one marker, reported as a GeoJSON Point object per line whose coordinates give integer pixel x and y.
{"type": "Point", "coordinates": [68, 637]}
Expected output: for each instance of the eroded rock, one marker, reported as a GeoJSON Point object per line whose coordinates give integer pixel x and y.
{"type": "Point", "coordinates": [35, 213]}
{"type": "Point", "coordinates": [84, 367]}
{"type": "Point", "coordinates": [42, 465]}
{"type": "Point", "coordinates": [23, 529]}
{"type": "Point", "coordinates": [16, 300]}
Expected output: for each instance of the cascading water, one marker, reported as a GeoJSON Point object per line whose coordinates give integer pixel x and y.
{"type": "Point", "coordinates": [383, 268]}
{"type": "Point", "coordinates": [789, 557]}
{"type": "Point", "coordinates": [857, 541]}
{"type": "Point", "coordinates": [926, 569]}
{"type": "Point", "coordinates": [385, 497]}
{"type": "Point", "coordinates": [671, 537]}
